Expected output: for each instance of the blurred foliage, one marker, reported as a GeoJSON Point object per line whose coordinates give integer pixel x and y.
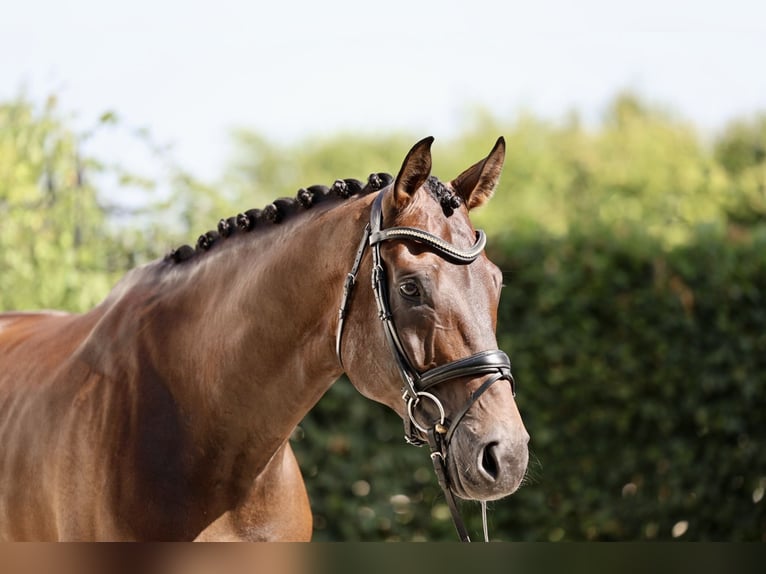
{"type": "Point", "coordinates": [741, 150]}
{"type": "Point", "coordinates": [634, 254]}
{"type": "Point", "coordinates": [639, 166]}
{"type": "Point", "coordinates": [645, 386]}
{"type": "Point", "coordinates": [261, 170]}
{"type": "Point", "coordinates": [54, 251]}
{"type": "Point", "coordinates": [63, 241]}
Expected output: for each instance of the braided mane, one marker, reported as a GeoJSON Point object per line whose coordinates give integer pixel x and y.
{"type": "Point", "coordinates": [446, 197]}
{"type": "Point", "coordinates": [278, 211]}
{"type": "Point", "coordinates": [305, 198]}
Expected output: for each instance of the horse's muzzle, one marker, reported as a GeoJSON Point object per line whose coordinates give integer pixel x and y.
{"type": "Point", "coordinates": [487, 469]}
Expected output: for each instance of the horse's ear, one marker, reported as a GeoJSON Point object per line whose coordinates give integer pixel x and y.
{"type": "Point", "coordinates": [415, 170]}
{"type": "Point", "coordinates": [477, 184]}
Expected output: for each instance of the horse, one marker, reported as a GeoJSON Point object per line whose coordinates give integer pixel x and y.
{"type": "Point", "coordinates": [164, 413]}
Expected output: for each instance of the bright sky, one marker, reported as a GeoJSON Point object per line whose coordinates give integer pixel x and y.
{"type": "Point", "coordinates": [190, 70]}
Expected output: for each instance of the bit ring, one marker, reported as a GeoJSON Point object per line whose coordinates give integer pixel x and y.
{"type": "Point", "coordinates": [412, 403]}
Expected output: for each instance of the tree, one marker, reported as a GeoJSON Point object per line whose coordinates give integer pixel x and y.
{"type": "Point", "coordinates": [59, 246]}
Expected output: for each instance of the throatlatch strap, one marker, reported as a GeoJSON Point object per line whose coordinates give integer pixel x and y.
{"type": "Point", "coordinates": [348, 287]}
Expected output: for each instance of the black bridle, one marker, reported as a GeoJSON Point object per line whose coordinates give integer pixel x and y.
{"type": "Point", "coordinates": [495, 364]}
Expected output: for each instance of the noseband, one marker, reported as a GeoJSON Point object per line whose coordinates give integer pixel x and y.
{"type": "Point", "coordinates": [417, 386]}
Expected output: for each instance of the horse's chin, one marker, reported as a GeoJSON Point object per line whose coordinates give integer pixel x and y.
{"type": "Point", "coordinates": [468, 486]}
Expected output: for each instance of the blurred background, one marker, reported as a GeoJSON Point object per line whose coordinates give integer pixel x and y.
{"type": "Point", "coordinates": [630, 221]}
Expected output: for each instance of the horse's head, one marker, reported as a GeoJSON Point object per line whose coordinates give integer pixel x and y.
{"type": "Point", "coordinates": [438, 299]}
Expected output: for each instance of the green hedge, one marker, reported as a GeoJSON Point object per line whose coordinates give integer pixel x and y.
{"type": "Point", "coordinates": [642, 381]}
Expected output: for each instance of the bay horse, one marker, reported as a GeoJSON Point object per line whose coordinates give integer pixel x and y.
{"type": "Point", "coordinates": [165, 412]}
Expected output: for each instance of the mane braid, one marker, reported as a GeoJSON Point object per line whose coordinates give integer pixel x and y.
{"type": "Point", "coordinates": [447, 198]}
{"type": "Point", "coordinates": [278, 211]}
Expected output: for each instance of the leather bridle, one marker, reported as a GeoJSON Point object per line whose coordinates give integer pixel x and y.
{"type": "Point", "coordinates": [417, 386]}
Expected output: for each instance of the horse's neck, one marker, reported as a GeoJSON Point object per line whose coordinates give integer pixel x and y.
{"type": "Point", "coordinates": [243, 337]}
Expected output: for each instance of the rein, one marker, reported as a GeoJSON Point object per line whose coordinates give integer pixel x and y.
{"type": "Point", "coordinates": [416, 385]}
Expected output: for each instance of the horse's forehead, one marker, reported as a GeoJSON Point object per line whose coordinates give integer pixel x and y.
{"type": "Point", "coordinates": [428, 214]}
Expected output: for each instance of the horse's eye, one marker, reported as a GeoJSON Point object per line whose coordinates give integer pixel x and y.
{"type": "Point", "coordinates": [409, 289]}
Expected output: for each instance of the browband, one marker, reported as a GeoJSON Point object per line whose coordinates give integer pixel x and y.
{"type": "Point", "coordinates": [446, 250]}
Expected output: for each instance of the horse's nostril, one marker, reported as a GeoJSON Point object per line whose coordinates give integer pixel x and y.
{"type": "Point", "coordinates": [489, 461]}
